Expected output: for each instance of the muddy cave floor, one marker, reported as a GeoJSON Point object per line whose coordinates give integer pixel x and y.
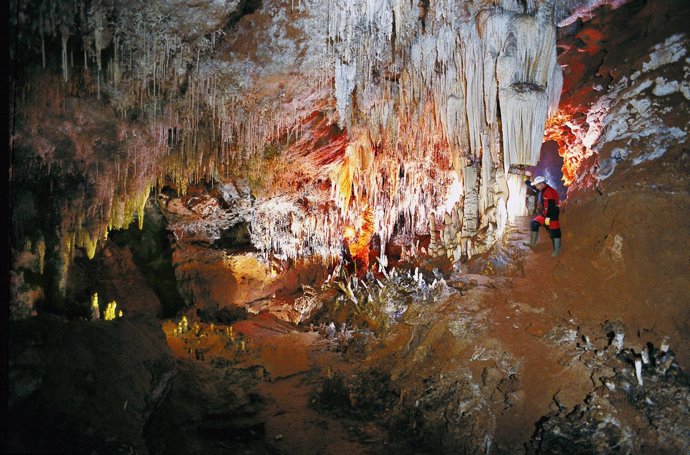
{"type": "Point", "coordinates": [504, 361]}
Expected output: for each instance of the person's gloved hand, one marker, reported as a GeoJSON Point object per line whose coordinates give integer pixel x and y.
{"type": "Point", "coordinates": [547, 221]}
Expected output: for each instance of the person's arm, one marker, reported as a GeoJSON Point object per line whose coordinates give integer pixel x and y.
{"type": "Point", "coordinates": [540, 202]}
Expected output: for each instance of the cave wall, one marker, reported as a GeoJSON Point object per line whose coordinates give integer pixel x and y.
{"type": "Point", "coordinates": [626, 220]}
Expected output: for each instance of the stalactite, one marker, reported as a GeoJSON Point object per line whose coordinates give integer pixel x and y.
{"type": "Point", "coordinates": [452, 76]}
{"type": "Point", "coordinates": [470, 203]}
{"type": "Point", "coordinates": [524, 108]}
{"type": "Point", "coordinates": [88, 241]}
{"type": "Point", "coordinates": [65, 39]}
{"type": "Point", "coordinates": [554, 90]}
{"type": "Point", "coordinates": [421, 106]}
{"type": "Point", "coordinates": [486, 183]}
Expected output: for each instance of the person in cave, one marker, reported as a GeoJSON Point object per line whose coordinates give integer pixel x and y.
{"type": "Point", "coordinates": [547, 215]}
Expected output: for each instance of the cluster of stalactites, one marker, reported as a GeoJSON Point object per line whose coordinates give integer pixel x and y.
{"type": "Point", "coordinates": [151, 63]}
{"type": "Point", "coordinates": [367, 189]}
{"type": "Point", "coordinates": [81, 229]}
{"type": "Point", "coordinates": [393, 189]}
{"type": "Point", "coordinates": [144, 63]}
{"type": "Point", "coordinates": [445, 83]}
{"type": "Point", "coordinates": [282, 228]}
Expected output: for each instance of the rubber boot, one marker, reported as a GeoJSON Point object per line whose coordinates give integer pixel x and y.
{"type": "Point", "coordinates": [556, 247]}
{"type": "Point", "coordinates": [532, 240]}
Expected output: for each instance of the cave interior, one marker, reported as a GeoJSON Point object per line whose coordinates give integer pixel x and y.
{"type": "Point", "coordinates": [306, 226]}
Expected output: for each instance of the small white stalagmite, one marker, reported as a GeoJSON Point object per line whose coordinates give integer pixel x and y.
{"type": "Point", "coordinates": [95, 310]}
{"type": "Point", "coordinates": [638, 371]}
{"type": "Point", "coordinates": [645, 355]}
{"type": "Point", "coordinates": [618, 341]}
{"type": "Point", "coordinates": [664, 345]}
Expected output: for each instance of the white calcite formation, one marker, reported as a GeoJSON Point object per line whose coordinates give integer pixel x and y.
{"type": "Point", "coordinates": [447, 87]}
{"type": "Point", "coordinates": [442, 105]}
{"type": "Point", "coordinates": [635, 122]}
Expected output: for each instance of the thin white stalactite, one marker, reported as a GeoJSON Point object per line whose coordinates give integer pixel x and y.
{"type": "Point", "coordinates": [65, 71]}
{"type": "Point", "coordinates": [555, 88]}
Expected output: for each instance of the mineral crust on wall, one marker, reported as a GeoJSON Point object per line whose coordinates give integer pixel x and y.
{"type": "Point", "coordinates": [114, 99]}
{"type": "Point", "coordinates": [638, 117]}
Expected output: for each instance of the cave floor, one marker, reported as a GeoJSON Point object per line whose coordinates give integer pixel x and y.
{"type": "Point", "coordinates": [525, 344]}
{"type": "Point", "coordinates": [518, 354]}
{"type": "Point", "coordinates": [274, 364]}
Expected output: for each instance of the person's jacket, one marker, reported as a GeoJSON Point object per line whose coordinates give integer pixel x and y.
{"type": "Point", "coordinates": [549, 199]}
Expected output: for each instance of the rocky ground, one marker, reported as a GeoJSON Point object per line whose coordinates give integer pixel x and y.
{"type": "Point", "coordinates": [512, 352]}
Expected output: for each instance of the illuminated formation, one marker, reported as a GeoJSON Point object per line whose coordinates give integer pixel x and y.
{"type": "Point", "coordinates": [422, 115]}
{"type": "Point", "coordinates": [423, 86]}
{"type": "Point", "coordinates": [419, 91]}
{"type": "Point", "coordinates": [358, 238]}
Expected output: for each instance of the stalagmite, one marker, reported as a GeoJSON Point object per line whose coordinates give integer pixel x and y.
{"type": "Point", "coordinates": [517, 191]}
{"type": "Point", "coordinates": [645, 355]}
{"type": "Point", "coordinates": [95, 310]}
{"type": "Point", "coordinates": [41, 252]}
{"type": "Point", "coordinates": [110, 311]}
{"type": "Point", "coordinates": [618, 341]}
{"type": "Point", "coordinates": [638, 371]}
